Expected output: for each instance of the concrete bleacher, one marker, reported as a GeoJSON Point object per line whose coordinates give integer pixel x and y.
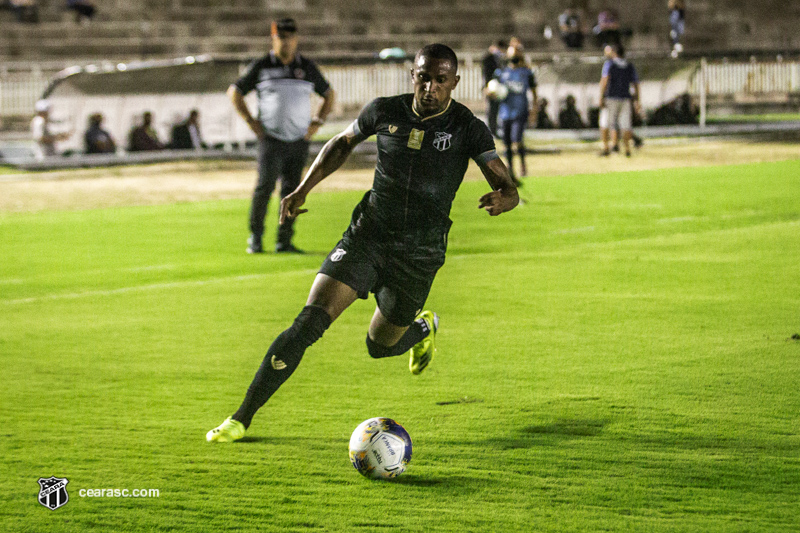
{"type": "Point", "coordinates": [150, 29]}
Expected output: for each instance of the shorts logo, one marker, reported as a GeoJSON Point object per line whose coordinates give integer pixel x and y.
{"type": "Point", "coordinates": [392, 129]}
{"type": "Point", "coordinates": [442, 141]}
{"type": "Point", "coordinates": [53, 492]}
{"type": "Point", "coordinates": [338, 254]}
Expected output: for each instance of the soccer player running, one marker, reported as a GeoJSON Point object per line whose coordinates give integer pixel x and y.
{"type": "Point", "coordinates": [397, 239]}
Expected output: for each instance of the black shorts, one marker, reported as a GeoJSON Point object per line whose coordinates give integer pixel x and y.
{"type": "Point", "coordinates": [400, 280]}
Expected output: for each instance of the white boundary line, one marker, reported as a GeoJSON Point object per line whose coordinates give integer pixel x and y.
{"type": "Point", "coordinates": [153, 286]}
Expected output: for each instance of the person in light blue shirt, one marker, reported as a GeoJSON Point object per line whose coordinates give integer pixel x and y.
{"type": "Point", "coordinates": [516, 107]}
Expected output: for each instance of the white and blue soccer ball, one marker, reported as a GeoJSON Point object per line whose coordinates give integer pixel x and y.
{"type": "Point", "coordinates": [380, 448]}
{"type": "Point", "coordinates": [496, 90]}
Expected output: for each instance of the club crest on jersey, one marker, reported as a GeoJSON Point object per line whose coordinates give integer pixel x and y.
{"type": "Point", "coordinates": [392, 129]}
{"type": "Point", "coordinates": [53, 492]}
{"type": "Point", "coordinates": [338, 254]}
{"type": "Point", "coordinates": [442, 141]}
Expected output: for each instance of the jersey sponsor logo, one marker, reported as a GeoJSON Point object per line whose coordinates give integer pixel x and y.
{"type": "Point", "coordinates": [515, 86]}
{"type": "Point", "coordinates": [392, 129]}
{"type": "Point", "coordinates": [442, 141]}
{"type": "Point", "coordinates": [53, 492]}
{"type": "Point", "coordinates": [415, 139]}
{"type": "Point", "coordinates": [277, 364]}
{"type": "Point", "coordinates": [338, 254]}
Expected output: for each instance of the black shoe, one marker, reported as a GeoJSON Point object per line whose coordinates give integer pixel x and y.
{"type": "Point", "coordinates": [290, 248]}
{"type": "Point", "coordinates": [254, 245]}
{"type": "Point", "coordinates": [604, 153]}
{"type": "Point", "coordinates": [616, 148]}
{"type": "Point", "coordinates": [637, 142]}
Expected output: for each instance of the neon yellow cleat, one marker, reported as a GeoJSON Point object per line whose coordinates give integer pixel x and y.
{"type": "Point", "coordinates": [228, 431]}
{"type": "Point", "coordinates": [422, 353]}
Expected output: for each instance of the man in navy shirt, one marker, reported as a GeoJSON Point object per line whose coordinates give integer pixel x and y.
{"type": "Point", "coordinates": [397, 239]}
{"type": "Point", "coordinates": [516, 108]}
{"type": "Point", "coordinates": [616, 100]}
{"type": "Point", "coordinates": [284, 81]}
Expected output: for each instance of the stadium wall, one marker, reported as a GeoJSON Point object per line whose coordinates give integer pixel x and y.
{"type": "Point", "coordinates": [171, 89]}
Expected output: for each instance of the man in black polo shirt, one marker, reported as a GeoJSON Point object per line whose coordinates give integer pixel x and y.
{"type": "Point", "coordinates": [284, 80]}
{"type": "Point", "coordinates": [397, 239]}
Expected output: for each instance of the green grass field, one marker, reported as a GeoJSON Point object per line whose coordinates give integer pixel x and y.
{"type": "Point", "coordinates": [615, 355]}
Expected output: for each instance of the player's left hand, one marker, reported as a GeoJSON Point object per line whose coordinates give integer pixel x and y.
{"type": "Point", "coordinates": [290, 206]}
{"type": "Point", "coordinates": [495, 203]}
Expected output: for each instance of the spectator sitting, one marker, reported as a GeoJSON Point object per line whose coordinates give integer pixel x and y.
{"type": "Point", "coordinates": [144, 138]}
{"type": "Point", "coordinates": [543, 121]}
{"type": "Point", "coordinates": [24, 10]}
{"type": "Point", "coordinates": [569, 118]}
{"type": "Point", "coordinates": [570, 23]}
{"type": "Point", "coordinates": [186, 135]}
{"type": "Point", "coordinates": [680, 110]}
{"type": "Point", "coordinates": [97, 140]}
{"type": "Point", "coordinates": [84, 10]}
{"type": "Point", "coordinates": [41, 131]}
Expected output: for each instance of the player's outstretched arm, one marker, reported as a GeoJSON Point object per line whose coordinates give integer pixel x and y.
{"type": "Point", "coordinates": [504, 196]}
{"type": "Point", "coordinates": [330, 158]}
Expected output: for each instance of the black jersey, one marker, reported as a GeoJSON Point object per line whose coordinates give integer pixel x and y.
{"type": "Point", "coordinates": [421, 164]}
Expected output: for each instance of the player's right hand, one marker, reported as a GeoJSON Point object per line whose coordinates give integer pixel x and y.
{"type": "Point", "coordinates": [290, 206]}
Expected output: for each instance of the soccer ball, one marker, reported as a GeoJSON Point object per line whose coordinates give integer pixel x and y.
{"type": "Point", "coordinates": [496, 90]}
{"type": "Point", "coordinates": [380, 448]}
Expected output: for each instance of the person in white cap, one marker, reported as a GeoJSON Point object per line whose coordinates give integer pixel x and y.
{"type": "Point", "coordinates": [42, 133]}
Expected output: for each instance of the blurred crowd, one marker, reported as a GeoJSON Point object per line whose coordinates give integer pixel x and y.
{"type": "Point", "coordinates": [142, 137]}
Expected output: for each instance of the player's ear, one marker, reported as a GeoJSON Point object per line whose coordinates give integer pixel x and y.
{"type": "Point", "coordinates": [458, 79]}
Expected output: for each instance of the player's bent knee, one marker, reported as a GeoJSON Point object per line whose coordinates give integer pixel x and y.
{"type": "Point", "coordinates": [310, 324]}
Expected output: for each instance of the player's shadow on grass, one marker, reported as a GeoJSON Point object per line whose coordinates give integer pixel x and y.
{"type": "Point", "coordinates": [551, 434]}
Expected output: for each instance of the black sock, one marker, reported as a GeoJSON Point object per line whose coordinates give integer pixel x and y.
{"type": "Point", "coordinates": [282, 359]}
{"type": "Point", "coordinates": [415, 333]}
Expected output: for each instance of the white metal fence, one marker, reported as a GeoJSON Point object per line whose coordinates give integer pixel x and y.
{"type": "Point", "coordinates": [357, 85]}
{"type": "Point", "coordinates": [722, 79]}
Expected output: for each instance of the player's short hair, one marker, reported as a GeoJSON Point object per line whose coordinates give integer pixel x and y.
{"type": "Point", "coordinates": [438, 51]}
{"type": "Point", "coordinates": [619, 49]}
